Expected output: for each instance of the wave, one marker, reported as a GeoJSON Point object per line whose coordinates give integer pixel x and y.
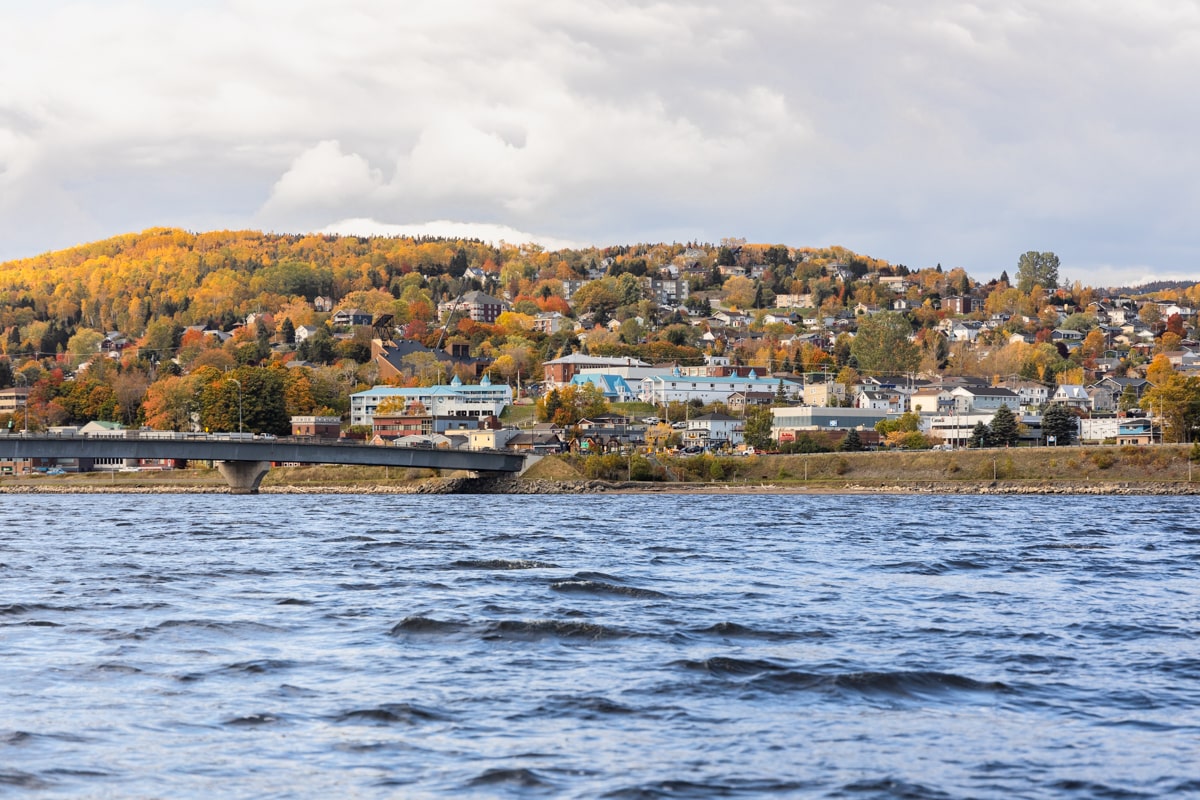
{"type": "Point", "coordinates": [425, 625]}
{"type": "Point", "coordinates": [234, 627]}
{"type": "Point", "coordinates": [891, 788]}
{"type": "Point", "coordinates": [260, 666]}
{"type": "Point", "coordinates": [600, 587]}
{"type": "Point", "coordinates": [502, 563]}
{"type": "Point", "coordinates": [519, 776]}
{"type": "Point", "coordinates": [23, 780]}
{"type": "Point", "coordinates": [772, 675]}
{"type": "Point", "coordinates": [550, 628]}
{"type": "Point", "coordinates": [251, 720]}
{"type": "Point", "coordinates": [702, 791]}
{"type": "Point", "coordinates": [733, 630]}
{"type": "Point", "coordinates": [391, 714]}
{"type": "Point", "coordinates": [15, 609]}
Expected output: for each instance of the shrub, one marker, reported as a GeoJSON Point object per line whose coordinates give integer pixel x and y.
{"type": "Point", "coordinates": [1104, 460]}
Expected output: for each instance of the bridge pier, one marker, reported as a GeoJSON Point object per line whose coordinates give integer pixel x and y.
{"type": "Point", "coordinates": [243, 477]}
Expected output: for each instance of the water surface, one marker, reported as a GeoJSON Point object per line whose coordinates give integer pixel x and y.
{"type": "Point", "coordinates": [627, 646]}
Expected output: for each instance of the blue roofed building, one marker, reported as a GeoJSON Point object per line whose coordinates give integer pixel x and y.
{"type": "Point", "coordinates": [458, 399]}
{"type": "Point", "coordinates": [680, 387]}
{"type": "Point", "coordinates": [614, 388]}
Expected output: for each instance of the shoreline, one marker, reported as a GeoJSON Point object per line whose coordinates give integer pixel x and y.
{"type": "Point", "coordinates": [551, 487]}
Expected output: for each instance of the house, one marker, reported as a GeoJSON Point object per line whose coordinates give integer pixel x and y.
{"type": "Point", "coordinates": [349, 318]}
{"type": "Point", "coordinates": [829, 393]}
{"type": "Point", "coordinates": [738, 402]}
{"type": "Point", "coordinates": [537, 442]}
{"type": "Point", "coordinates": [1031, 393]}
{"type": "Point", "coordinates": [323, 304]}
{"type": "Point", "coordinates": [931, 400]}
{"type": "Point", "coordinates": [730, 319]}
{"type": "Point", "coordinates": [976, 399]}
{"type": "Point", "coordinates": [715, 431]}
{"type": "Point", "coordinates": [548, 322]}
{"type": "Point", "coordinates": [1135, 387]}
{"type": "Point", "coordinates": [1071, 395]}
{"type": "Point", "coordinates": [304, 331]}
{"type": "Point", "coordinates": [959, 305]}
{"type": "Point", "coordinates": [888, 401]}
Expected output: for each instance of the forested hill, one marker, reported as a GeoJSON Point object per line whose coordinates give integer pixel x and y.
{"type": "Point", "coordinates": [217, 278]}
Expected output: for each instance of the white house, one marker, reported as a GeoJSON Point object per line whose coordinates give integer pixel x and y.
{"type": "Point", "coordinates": [714, 430]}
{"type": "Point", "coordinates": [1071, 395]}
{"type": "Point", "coordinates": [969, 399]}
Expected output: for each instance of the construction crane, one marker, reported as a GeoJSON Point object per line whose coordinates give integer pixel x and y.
{"type": "Point", "coordinates": [450, 316]}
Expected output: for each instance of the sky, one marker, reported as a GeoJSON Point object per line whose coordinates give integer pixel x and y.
{"type": "Point", "coordinates": [918, 131]}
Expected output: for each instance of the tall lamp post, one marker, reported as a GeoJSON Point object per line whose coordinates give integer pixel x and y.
{"type": "Point", "coordinates": [239, 385]}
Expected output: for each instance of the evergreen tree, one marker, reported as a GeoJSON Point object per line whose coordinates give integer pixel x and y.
{"type": "Point", "coordinates": [979, 436]}
{"type": "Point", "coordinates": [1059, 423]}
{"type": "Point", "coordinates": [780, 395]}
{"type": "Point", "coordinates": [1003, 429]}
{"type": "Point", "coordinates": [288, 331]}
{"type": "Point", "coordinates": [852, 443]}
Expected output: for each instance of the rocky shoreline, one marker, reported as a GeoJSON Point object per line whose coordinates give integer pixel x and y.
{"type": "Point", "coordinates": [514, 485]}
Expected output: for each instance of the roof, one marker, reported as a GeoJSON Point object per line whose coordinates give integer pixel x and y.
{"type": "Point", "coordinates": [597, 361]}
{"type": "Point", "coordinates": [608, 384]}
{"type": "Point", "coordinates": [479, 298]}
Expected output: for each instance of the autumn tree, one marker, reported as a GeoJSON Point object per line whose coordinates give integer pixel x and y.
{"type": "Point", "coordinates": [882, 344]}
{"type": "Point", "coordinates": [1037, 269]}
{"type": "Point", "coordinates": [739, 292]}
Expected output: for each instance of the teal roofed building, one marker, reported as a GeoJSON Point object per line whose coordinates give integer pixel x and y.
{"type": "Point", "coordinates": [484, 399]}
{"type": "Point", "coordinates": [614, 388]}
{"type": "Point", "coordinates": [679, 387]}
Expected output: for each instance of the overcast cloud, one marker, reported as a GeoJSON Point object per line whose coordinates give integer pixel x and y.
{"type": "Point", "coordinates": [922, 132]}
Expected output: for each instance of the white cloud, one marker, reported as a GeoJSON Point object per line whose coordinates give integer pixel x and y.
{"type": "Point", "coordinates": [923, 131]}
{"type": "Point", "coordinates": [487, 232]}
{"type": "Point", "coordinates": [324, 177]}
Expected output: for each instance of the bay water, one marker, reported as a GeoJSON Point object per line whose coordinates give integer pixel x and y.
{"type": "Point", "coordinates": [629, 646]}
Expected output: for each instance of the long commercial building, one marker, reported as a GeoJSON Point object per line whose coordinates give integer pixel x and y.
{"type": "Point", "coordinates": [456, 400]}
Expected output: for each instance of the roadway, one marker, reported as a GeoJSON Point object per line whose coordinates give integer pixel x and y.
{"type": "Point", "coordinates": [235, 449]}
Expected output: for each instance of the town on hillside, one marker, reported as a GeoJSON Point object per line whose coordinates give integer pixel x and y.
{"type": "Point", "coordinates": [728, 347]}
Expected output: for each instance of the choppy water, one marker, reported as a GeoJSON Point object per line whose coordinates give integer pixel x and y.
{"type": "Point", "coordinates": [627, 647]}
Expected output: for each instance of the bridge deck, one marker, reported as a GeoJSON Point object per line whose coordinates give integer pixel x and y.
{"type": "Point", "coordinates": [214, 447]}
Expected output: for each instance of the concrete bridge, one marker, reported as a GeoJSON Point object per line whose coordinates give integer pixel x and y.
{"type": "Point", "coordinates": [243, 460]}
